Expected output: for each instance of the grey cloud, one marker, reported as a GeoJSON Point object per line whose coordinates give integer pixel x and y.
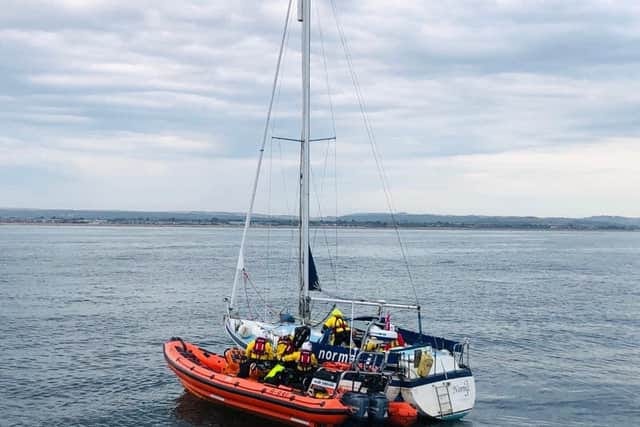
{"type": "Point", "coordinates": [440, 79]}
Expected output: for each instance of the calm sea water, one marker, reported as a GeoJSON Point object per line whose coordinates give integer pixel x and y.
{"type": "Point", "coordinates": [554, 317]}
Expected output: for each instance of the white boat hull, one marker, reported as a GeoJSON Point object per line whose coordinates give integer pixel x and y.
{"type": "Point", "coordinates": [457, 397]}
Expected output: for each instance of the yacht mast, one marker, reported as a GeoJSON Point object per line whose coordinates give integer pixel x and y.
{"type": "Point", "coordinates": [304, 15]}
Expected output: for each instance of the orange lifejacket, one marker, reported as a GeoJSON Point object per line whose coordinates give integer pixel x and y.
{"type": "Point", "coordinates": [233, 356]}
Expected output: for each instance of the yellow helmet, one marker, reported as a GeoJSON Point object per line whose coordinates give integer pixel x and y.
{"type": "Point", "coordinates": [336, 313]}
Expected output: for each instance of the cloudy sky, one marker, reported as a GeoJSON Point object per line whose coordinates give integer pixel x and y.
{"type": "Point", "coordinates": [479, 107]}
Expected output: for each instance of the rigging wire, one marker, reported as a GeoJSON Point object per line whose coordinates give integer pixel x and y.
{"type": "Point", "coordinates": [246, 295]}
{"type": "Point", "coordinates": [267, 307]}
{"type": "Point", "coordinates": [240, 266]}
{"type": "Point", "coordinates": [324, 233]}
{"type": "Point", "coordinates": [292, 249]}
{"type": "Point", "coordinates": [333, 127]}
{"type": "Point", "coordinates": [271, 148]}
{"type": "Point", "coordinates": [326, 71]}
{"type": "Point", "coordinates": [291, 260]}
{"type": "Point", "coordinates": [372, 143]}
{"type": "Point", "coordinates": [269, 216]}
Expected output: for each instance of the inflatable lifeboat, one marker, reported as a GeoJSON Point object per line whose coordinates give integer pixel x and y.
{"type": "Point", "coordinates": [211, 377]}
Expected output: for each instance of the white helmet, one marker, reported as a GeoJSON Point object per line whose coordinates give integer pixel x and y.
{"type": "Point", "coordinates": [306, 346]}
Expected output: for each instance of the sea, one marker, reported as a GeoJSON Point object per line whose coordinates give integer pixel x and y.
{"type": "Point", "coordinates": [553, 317]}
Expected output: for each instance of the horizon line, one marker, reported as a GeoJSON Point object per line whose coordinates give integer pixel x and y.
{"type": "Point", "coordinates": [242, 213]}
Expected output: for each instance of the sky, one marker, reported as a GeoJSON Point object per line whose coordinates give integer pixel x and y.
{"type": "Point", "coordinates": [477, 107]}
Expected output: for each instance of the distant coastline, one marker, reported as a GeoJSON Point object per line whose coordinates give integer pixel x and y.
{"type": "Point", "coordinates": [358, 220]}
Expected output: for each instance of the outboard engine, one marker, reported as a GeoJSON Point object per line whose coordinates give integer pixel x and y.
{"type": "Point", "coordinates": [359, 404]}
{"type": "Point", "coordinates": [378, 407]}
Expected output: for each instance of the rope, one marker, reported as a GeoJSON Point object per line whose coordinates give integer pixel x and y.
{"type": "Point", "coordinates": [372, 143]}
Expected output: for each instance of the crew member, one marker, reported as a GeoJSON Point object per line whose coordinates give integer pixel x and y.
{"type": "Point", "coordinates": [259, 349]}
{"type": "Point", "coordinates": [305, 364]}
{"type": "Point", "coordinates": [339, 327]}
{"type": "Point", "coordinates": [284, 346]}
{"type": "Point", "coordinates": [304, 358]}
{"type": "Point", "coordinates": [259, 358]}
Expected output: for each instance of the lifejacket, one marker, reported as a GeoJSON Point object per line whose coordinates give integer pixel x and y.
{"type": "Point", "coordinates": [233, 356]}
{"type": "Point", "coordinates": [287, 343]}
{"type": "Point", "coordinates": [259, 346]}
{"type": "Point", "coordinates": [340, 325]}
{"type": "Point", "coordinates": [305, 360]}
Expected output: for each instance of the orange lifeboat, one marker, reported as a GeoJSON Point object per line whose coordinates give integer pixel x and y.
{"type": "Point", "coordinates": [209, 377]}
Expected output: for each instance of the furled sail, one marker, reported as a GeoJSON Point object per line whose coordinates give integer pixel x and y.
{"type": "Point", "coordinates": [314, 282]}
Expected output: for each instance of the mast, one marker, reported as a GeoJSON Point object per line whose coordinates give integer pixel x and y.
{"type": "Point", "coordinates": [304, 15]}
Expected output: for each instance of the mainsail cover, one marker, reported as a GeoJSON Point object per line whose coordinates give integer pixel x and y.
{"type": "Point", "coordinates": [314, 282]}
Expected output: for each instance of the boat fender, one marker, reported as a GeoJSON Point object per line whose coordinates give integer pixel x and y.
{"type": "Point", "coordinates": [393, 393]}
{"type": "Point", "coordinates": [402, 414]}
{"type": "Point", "coordinates": [424, 365]}
{"type": "Point", "coordinates": [244, 331]}
{"type": "Point", "coordinates": [416, 358]}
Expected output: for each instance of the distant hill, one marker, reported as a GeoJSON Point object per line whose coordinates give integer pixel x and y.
{"type": "Point", "coordinates": [378, 220]}
{"type": "Point", "coordinates": [479, 221]}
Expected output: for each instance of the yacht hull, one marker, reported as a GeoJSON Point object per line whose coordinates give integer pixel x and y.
{"type": "Point", "coordinates": [440, 398]}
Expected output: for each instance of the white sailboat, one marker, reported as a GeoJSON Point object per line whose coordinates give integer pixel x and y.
{"type": "Point", "coordinates": [444, 388]}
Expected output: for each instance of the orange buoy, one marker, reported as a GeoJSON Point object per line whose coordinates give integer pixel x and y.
{"type": "Point", "coordinates": [402, 414]}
